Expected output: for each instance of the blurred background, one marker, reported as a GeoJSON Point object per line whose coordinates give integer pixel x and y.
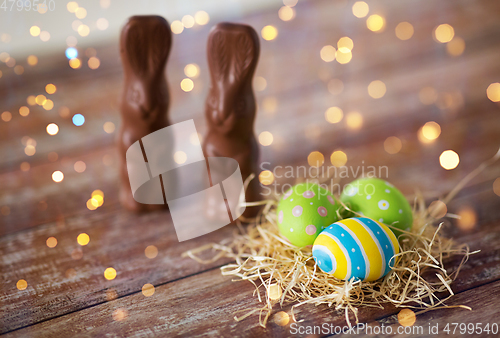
{"type": "Point", "coordinates": [409, 84]}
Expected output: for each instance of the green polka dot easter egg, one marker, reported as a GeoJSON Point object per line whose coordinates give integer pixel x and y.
{"type": "Point", "coordinates": [304, 211]}
{"type": "Point", "coordinates": [379, 200]}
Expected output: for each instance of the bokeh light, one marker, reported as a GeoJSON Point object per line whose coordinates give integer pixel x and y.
{"type": "Point", "coordinates": [83, 239]}
{"type": "Point", "coordinates": [109, 127]}
{"type": "Point", "coordinates": [376, 89]}
{"type": "Point", "coordinates": [334, 114]}
{"type": "Point", "coordinates": [32, 60]}
{"type": "Point", "coordinates": [327, 53]}
{"type": "Point", "coordinates": [343, 56]}
{"type": "Point", "coordinates": [493, 92]}
{"type": "Point", "coordinates": [151, 251]}
{"type": "Point", "coordinates": [360, 9]}
{"type": "Point", "coordinates": [21, 284]}
{"type": "Point", "coordinates": [78, 120]}
{"type": "Point", "coordinates": [102, 24]}
{"type": "Point", "coordinates": [50, 88]}
{"type": "Point", "coordinates": [468, 218]}
{"type": "Point", "coordinates": [75, 63]}
{"type": "Point", "coordinates": [392, 145]}
{"type": "Point", "coordinates": [25, 166]}
{"type": "Point", "coordinates": [177, 27]}
{"type": "Point", "coordinates": [456, 46]}
{"type": "Point", "coordinates": [427, 95]}
{"type": "Point", "coordinates": [44, 36]}
{"type": "Point", "coordinates": [119, 315]}
{"type": "Point", "coordinates": [201, 18]}
{"type": "Point", "coordinates": [274, 292]}
{"type": "Point", "coordinates": [30, 150]}
{"type": "Point", "coordinates": [444, 33]}
{"type": "Point", "coordinates": [24, 111]}
{"type": "Point", "coordinates": [265, 138]}
{"type": "Point", "coordinates": [335, 86]}
{"type": "Point", "coordinates": [290, 3]}
{"type": "Point", "coordinates": [281, 318]}
{"type": "Point", "coordinates": [338, 158]}
{"type": "Point", "coordinates": [94, 62]}
{"type": "Point", "coordinates": [72, 6]}
{"type": "Point", "coordinates": [18, 69]}
{"type": "Point", "coordinates": [345, 44]}
{"type": "Point", "coordinates": [57, 176]}
{"type": "Point", "coordinates": [354, 120]}
{"type": "Point", "coordinates": [83, 30]}
{"type": "Point", "coordinates": [6, 116]}
{"type": "Point", "coordinates": [110, 273]}
{"type": "Point", "coordinates": [404, 30]}
{"type": "Point", "coordinates": [79, 166]}
{"type": "Point", "coordinates": [180, 157]}
{"type": "Point", "coordinates": [449, 159]}
{"type": "Point", "coordinates": [192, 70]}
{"type": "Point", "coordinates": [35, 30]}
{"type": "Point", "coordinates": [259, 83]}
{"type": "Point", "coordinates": [188, 21]}
{"type": "Point", "coordinates": [315, 159]}
{"type": "Point", "coordinates": [269, 33]}
{"type": "Point", "coordinates": [148, 290]}
{"type": "Point", "coordinates": [266, 177]}
{"type": "Point", "coordinates": [406, 317]}
{"type": "Point", "coordinates": [429, 132]}
{"type": "Point", "coordinates": [48, 104]}
{"type": "Point", "coordinates": [437, 209]}
{"type": "Point", "coordinates": [81, 13]}
{"type": "Point", "coordinates": [52, 129]}
{"type": "Point", "coordinates": [375, 23]}
{"type": "Point", "coordinates": [187, 85]}
{"type": "Point", "coordinates": [269, 104]}
{"type": "Point", "coordinates": [51, 242]}
{"type": "Point", "coordinates": [286, 13]}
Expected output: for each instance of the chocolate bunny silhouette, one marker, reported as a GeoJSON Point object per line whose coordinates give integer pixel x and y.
{"type": "Point", "coordinates": [233, 52]}
{"type": "Point", "coordinates": [145, 44]}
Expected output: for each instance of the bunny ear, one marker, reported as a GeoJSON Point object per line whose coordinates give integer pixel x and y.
{"type": "Point", "coordinates": [159, 45]}
{"type": "Point", "coordinates": [219, 55]}
{"type": "Point", "coordinates": [244, 54]}
{"type": "Point", "coordinates": [134, 48]}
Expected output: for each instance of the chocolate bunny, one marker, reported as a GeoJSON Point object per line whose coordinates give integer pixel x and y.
{"type": "Point", "coordinates": [145, 43]}
{"type": "Point", "coordinates": [233, 52]}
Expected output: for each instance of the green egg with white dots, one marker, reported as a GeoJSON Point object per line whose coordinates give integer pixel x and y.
{"type": "Point", "coordinates": [304, 211]}
{"type": "Point", "coordinates": [379, 200]}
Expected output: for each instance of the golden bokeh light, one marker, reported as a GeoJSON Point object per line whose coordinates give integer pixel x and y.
{"type": "Point", "coordinates": [375, 23]}
{"type": "Point", "coordinates": [286, 13]}
{"type": "Point", "coordinates": [493, 92]}
{"type": "Point", "coordinates": [195, 139]}
{"type": "Point", "coordinates": [75, 63]}
{"type": "Point", "coordinates": [269, 33]}
{"type": "Point", "coordinates": [335, 86]}
{"type": "Point", "coordinates": [468, 218]}
{"type": "Point", "coordinates": [404, 30]}
{"type": "Point", "coordinates": [97, 192]}
{"type": "Point", "coordinates": [71, 41]}
{"type": "Point", "coordinates": [180, 157]}
{"type": "Point", "coordinates": [50, 88]}
{"type": "Point", "coordinates": [429, 132]}
{"type": "Point", "coordinates": [281, 318]}
{"type": "Point", "coordinates": [25, 166]}
{"type": "Point", "coordinates": [76, 254]}
{"type": "Point", "coordinates": [24, 111]}
{"type": "Point", "coordinates": [119, 315]}
{"type": "Point", "coordinates": [269, 104]}
{"type": "Point", "coordinates": [97, 201]}
{"type": "Point", "coordinates": [392, 145]}
{"type": "Point", "coordinates": [18, 69]}
{"type": "Point", "coordinates": [72, 6]}
{"type": "Point", "coordinates": [338, 158]}
{"type": "Point", "coordinates": [406, 317]}
{"type": "Point", "coordinates": [83, 239]}
{"type": "Point", "coordinates": [83, 30]}
{"type": "Point", "coordinates": [79, 166]}
{"type": "Point", "coordinates": [266, 177]}
{"type": "Point", "coordinates": [102, 24]}
{"type": "Point", "coordinates": [265, 138]}
{"type": "Point", "coordinates": [177, 27]}
{"type": "Point", "coordinates": [327, 53]}
{"type": "Point", "coordinates": [259, 83]}
{"type": "Point", "coordinates": [188, 21]}
{"type": "Point", "coordinates": [70, 273]}
{"type": "Point", "coordinates": [345, 44]}
{"type": "Point", "coordinates": [105, 3]}
{"type": "Point", "coordinates": [449, 159]}
{"type": "Point", "coordinates": [94, 62]}
{"type": "Point", "coordinates": [187, 85]}
{"type": "Point", "coordinates": [21, 284]}
{"type": "Point", "coordinates": [81, 13]}
{"type": "Point", "coordinates": [52, 129]}
{"type": "Point", "coordinates": [11, 62]}
{"type": "Point", "coordinates": [427, 95]}
{"type": "Point", "coordinates": [290, 3]}
{"type": "Point", "coordinates": [35, 30]}
{"type": "Point", "coordinates": [48, 104]}
{"type": "Point", "coordinates": [274, 292]}
{"type": "Point", "coordinates": [496, 186]}
{"type": "Point", "coordinates": [315, 159]}
{"type": "Point", "coordinates": [201, 18]}
{"type": "Point", "coordinates": [334, 115]}
{"type": "Point", "coordinates": [32, 60]}
{"type": "Point", "coordinates": [148, 290]}
{"type": "Point", "coordinates": [44, 36]}
{"type": "Point", "coordinates": [192, 70]}
{"type": "Point", "coordinates": [354, 120]}
{"type": "Point", "coordinates": [91, 205]}
{"type": "Point", "coordinates": [51, 242]}
{"type": "Point", "coordinates": [360, 9]}
{"type": "Point", "coordinates": [444, 33]}
{"type": "Point", "coordinates": [57, 176]}
{"type": "Point", "coordinates": [456, 46]}
{"type": "Point", "coordinates": [4, 56]}
{"type": "Point", "coordinates": [437, 209]}
{"type": "Point", "coordinates": [343, 56]}
{"type": "Point", "coordinates": [30, 150]}
{"type": "Point", "coordinates": [110, 273]}
{"type": "Point", "coordinates": [31, 100]}
{"type": "Point", "coordinates": [151, 251]}
{"type": "Point", "coordinates": [75, 24]}
{"type": "Point", "coordinates": [40, 99]}
{"type": "Point", "coordinates": [109, 127]}
{"type": "Point", "coordinates": [376, 89]}
{"type": "Point", "coordinates": [6, 116]}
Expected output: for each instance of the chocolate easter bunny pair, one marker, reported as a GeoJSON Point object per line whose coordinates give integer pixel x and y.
{"type": "Point", "coordinates": [232, 51]}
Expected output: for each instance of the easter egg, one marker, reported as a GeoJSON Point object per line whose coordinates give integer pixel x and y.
{"type": "Point", "coordinates": [304, 211]}
{"type": "Point", "coordinates": [356, 247]}
{"type": "Point", "coordinates": [379, 200]}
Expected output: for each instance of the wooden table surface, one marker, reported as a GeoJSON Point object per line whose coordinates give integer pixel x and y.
{"type": "Point", "coordinates": [67, 294]}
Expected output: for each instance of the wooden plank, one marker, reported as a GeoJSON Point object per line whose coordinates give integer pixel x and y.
{"type": "Point", "coordinates": [121, 245]}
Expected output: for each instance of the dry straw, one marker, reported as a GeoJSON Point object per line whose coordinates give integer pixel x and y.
{"type": "Point", "coordinates": [289, 275]}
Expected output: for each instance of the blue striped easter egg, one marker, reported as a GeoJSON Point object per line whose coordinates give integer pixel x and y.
{"type": "Point", "coordinates": [356, 247]}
